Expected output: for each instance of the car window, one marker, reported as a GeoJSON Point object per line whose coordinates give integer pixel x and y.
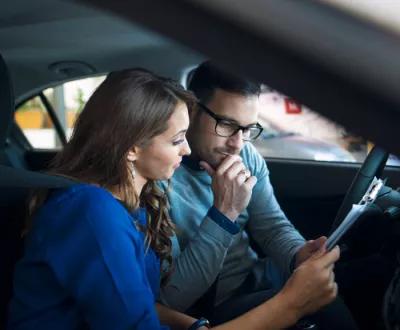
{"type": "Point", "coordinates": [291, 130]}
{"type": "Point", "coordinates": [38, 128]}
{"type": "Point", "coordinates": [65, 101]}
{"type": "Point", "coordinates": [294, 131]}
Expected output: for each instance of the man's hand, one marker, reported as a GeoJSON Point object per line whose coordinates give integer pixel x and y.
{"type": "Point", "coordinates": [232, 185]}
{"type": "Point", "coordinates": [308, 249]}
{"type": "Point", "coordinates": [312, 285]}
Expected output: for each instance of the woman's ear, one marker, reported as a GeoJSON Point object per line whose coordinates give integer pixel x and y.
{"type": "Point", "coordinates": [132, 154]}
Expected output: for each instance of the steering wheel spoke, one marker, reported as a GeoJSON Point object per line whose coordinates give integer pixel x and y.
{"type": "Point", "coordinates": [372, 167]}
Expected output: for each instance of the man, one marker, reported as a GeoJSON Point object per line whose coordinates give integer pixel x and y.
{"type": "Point", "coordinates": [220, 197]}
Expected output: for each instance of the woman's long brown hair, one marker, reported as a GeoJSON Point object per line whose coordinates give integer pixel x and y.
{"type": "Point", "coordinates": [128, 109]}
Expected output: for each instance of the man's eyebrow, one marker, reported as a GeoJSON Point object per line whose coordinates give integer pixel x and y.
{"type": "Point", "coordinates": [227, 119]}
{"type": "Point", "coordinates": [180, 132]}
{"type": "Point", "coordinates": [233, 121]}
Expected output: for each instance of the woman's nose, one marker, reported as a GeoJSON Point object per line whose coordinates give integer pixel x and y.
{"type": "Point", "coordinates": [185, 149]}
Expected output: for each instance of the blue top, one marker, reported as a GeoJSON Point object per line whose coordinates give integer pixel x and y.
{"type": "Point", "coordinates": [85, 264]}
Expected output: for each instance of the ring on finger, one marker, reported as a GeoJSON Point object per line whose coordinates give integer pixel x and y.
{"type": "Point", "coordinates": [246, 173]}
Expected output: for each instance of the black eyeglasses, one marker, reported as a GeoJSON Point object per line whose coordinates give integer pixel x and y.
{"type": "Point", "coordinates": [226, 128]}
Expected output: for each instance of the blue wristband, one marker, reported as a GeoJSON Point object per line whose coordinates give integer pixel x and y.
{"type": "Point", "coordinates": [201, 322]}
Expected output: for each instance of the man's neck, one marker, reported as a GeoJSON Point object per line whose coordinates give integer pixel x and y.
{"type": "Point", "coordinates": [192, 162]}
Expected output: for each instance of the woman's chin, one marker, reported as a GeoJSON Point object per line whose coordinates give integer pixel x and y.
{"type": "Point", "coordinates": [168, 175]}
{"type": "Point", "coordinates": [165, 175]}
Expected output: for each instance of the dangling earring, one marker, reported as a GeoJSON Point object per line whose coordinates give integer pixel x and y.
{"type": "Point", "coordinates": [133, 171]}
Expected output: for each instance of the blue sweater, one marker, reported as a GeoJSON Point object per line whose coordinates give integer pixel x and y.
{"type": "Point", "coordinates": [207, 244]}
{"type": "Point", "coordinates": [85, 264]}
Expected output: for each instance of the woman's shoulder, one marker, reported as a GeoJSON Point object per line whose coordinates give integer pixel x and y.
{"type": "Point", "coordinates": [80, 192]}
{"type": "Point", "coordinates": [84, 207]}
{"type": "Point", "coordinates": [84, 199]}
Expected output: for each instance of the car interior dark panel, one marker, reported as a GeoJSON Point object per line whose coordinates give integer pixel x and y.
{"type": "Point", "coordinates": [39, 160]}
{"type": "Point", "coordinates": [312, 216]}
{"type": "Point", "coordinates": [321, 178]}
{"type": "Point", "coordinates": [15, 187]}
{"type": "Point", "coordinates": [6, 105]}
{"type": "Point", "coordinates": [12, 211]}
{"type": "Point", "coordinates": [313, 210]}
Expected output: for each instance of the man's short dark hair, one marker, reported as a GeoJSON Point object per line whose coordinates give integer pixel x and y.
{"type": "Point", "coordinates": [207, 77]}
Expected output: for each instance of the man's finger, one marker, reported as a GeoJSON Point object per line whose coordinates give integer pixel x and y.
{"type": "Point", "coordinates": [320, 241]}
{"type": "Point", "coordinates": [329, 258]}
{"type": "Point", "coordinates": [227, 163]}
{"type": "Point", "coordinates": [251, 182]}
{"type": "Point", "coordinates": [332, 277]}
{"type": "Point", "coordinates": [235, 169]}
{"type": "Point", "coordinates": [314, 245]}
{"type": "Point", "coordinates": [207, 167]}
{"type": "Point", "coordinates": [318, 253]}
{"type": "Point", "coordinates": [241, 178]}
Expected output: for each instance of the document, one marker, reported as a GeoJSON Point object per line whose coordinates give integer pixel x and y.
{"type": "Point", "coordinates": [355, 213]}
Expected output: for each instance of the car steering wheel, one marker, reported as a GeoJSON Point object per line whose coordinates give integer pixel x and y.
{"type": "Point", "coordinates": [372, 166]}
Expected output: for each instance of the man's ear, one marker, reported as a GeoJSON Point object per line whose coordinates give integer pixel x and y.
{"type": "Point", "coordinates": [132, 154]}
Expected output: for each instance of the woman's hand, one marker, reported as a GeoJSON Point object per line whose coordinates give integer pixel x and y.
{"type": "Point", "coordinates": [174, 319]}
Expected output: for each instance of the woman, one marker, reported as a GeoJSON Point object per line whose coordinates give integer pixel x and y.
{"type": "Point", "coordinates": [86, 261]}
{"type": "Point", "coordinates": [93, 251]}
